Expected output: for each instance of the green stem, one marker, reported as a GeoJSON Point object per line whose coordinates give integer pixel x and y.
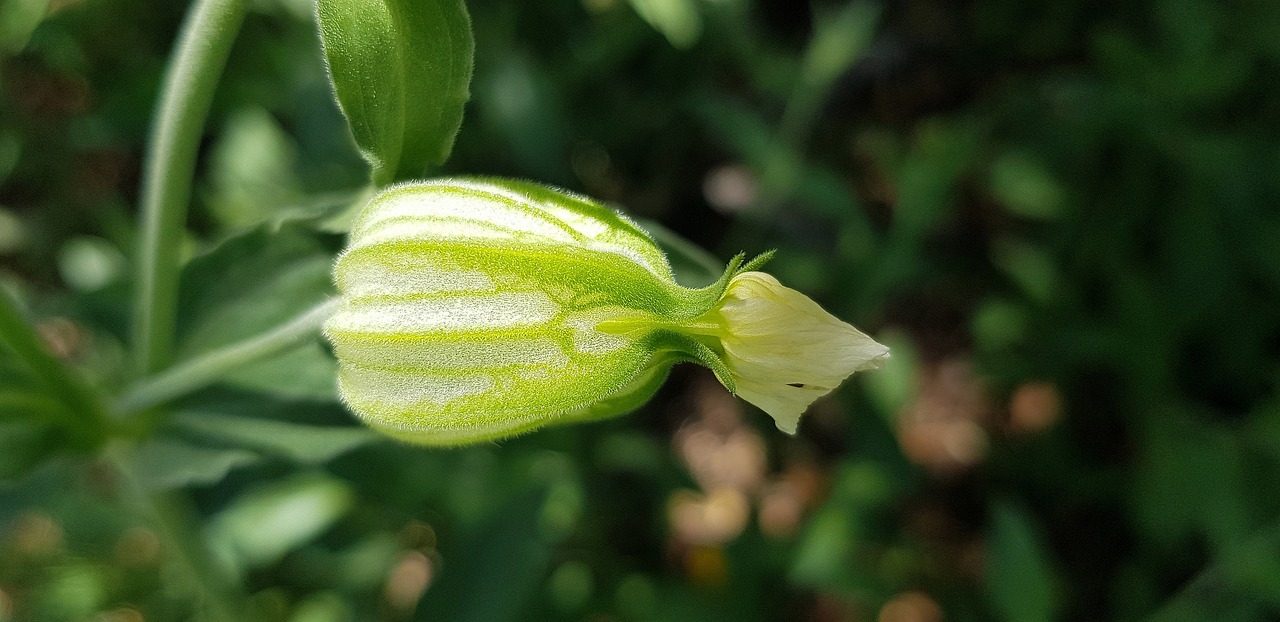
{"type": "Point", "coordinates": [201, 54]}
{"type": "Point", "coordinates": [89, 421]}
{"type": "Point", "coordinates": [206, 369]}
{"type": "Point", "coordinates": [179, 535]}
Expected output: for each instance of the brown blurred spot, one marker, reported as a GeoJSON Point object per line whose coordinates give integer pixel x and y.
{"type": "Point", "coordinates": [911, 607]}
{"type": "Point", "coordinates": [100, 174]}
{"type": "Point", "coordinates": [706, 565]}
{"type": "Point", "coordinates": [730, 188]}
{"type": "Point", "coordinates": [972, 562]}
{"type": "Point", "coordinates": [831, 608]}
{"type": "Point", "coordinates": [37, 535]}
{"type": "Point", "coordinates": [123, 614]}
{"type": "Point", "coordinates": [63, 337]}
{"type": "Point", "coordinates": [408, 580]}
{"type": "Point", "coordinates": [418, 535]}
{"type": "Point", "coordinates": [714, 518]}
{"type": "Point", "coordinates": [719, 450]}
{"type": "Point", "coordinates": [1034, 407]}
{"type": "Point", "coordinates": [6, 606]}
{"type": "Point", "coordinates": [138, 546]}
{"type": "Point", "coordinates": [781, 509]}
{"type": "Point", "coordinates": [46, 95]}
{"type": "Point", "coordinates": [942, 430]}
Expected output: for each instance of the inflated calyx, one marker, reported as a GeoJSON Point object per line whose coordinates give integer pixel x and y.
{"type": "Point", "coordinates": [476, 309]}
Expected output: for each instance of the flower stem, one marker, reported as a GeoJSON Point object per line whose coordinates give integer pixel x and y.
{"type": "Point", "coordinates": [170, 516]}
{"type": "Point", "coordinates": [208, 368]}
{"type": "Point", "coordinates": [201, 54]}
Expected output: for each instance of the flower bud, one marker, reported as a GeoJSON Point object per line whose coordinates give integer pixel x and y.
{"type": "Point", "coordinates": [478, 309]}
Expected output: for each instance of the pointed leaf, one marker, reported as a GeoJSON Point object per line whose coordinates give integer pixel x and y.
{"type": "Point", "coordinates": [401, 70]}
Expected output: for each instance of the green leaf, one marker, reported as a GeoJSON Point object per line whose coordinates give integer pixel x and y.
{"type": "Point", "coordinates": [166, 463]}
{"type": "Point", "coordinates": [401, 70]}
{"type": "Point", "coordinates": [503, 560]}
{"type": "Point", "coordinates": [677, 20]}
{"type": "Point", "coordinates": [250, 284]}
{"type": "Point", "coordinates": [839, 42]}
{"type": "Point", "coordinates": [307, 444]}
{"type": "Point", "coordinates": [251, 173]}
{"type": "Point", "coordinates": [1021, 584]}
{"type": "Point", "coordinates": [23, 446]}
{"type": "Point", "coordinates": [258, 528]}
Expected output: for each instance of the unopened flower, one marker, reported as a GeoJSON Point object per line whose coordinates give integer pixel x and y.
{"type": "Point", "coordinates": [478, 309]}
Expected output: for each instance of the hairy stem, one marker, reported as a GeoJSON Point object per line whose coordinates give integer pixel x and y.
{"type": "Point", "coordinates": [199, 58]}
{"type": "Point", "coordinates": [206, 369]}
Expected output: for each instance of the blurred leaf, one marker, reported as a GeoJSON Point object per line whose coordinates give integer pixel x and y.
{"type": "Point", "coordinates": [322, 607]}
{"type": "Point", "coordinates": [839, 41]}
{"type": "Point", "coordinates": [89, 263]}
{"type": "Point", "coordinates": [251, 173]}
{"type": "Point", "coordinates": [249, 284]}
{"type": "Point", "coordinates": [1188, 484]}
{"type": "Point", "coordinates": [677, 20]}
{"type": "Point", "coordinates": [503, 560]}
{"type": "Point", "coordinates": [824, 552]}
{"type": "Point", "coordinates": [74, 592]}
{"type": "Point", "coordinates": [1026, 188]}
{"type": "Point", "coordinates": [927, 176]}
{"type": "Point", "coordinates": [830, 552]}
{"type": "Point", "coordinates": [894, 386]}
{"type": "Point", "coordinates": [401, 70]}
{"type": "Point", "coordinates": [267, 521]}
{"type": "Point", "coordinates": [306, 444]}
{"type": "Point", "coordinates": [1020, 580]}
{"type": "Point", "coordinates": [23, 446]}
{"type": "Point", "coordinates": [10, 149]}
{"type": "Point", "coordinates": [305, 372]}
{"type": "Point", "coordinates": [18, 18]}
{"type": "Point", "coordinates": [1029, 266]}
{"type": "Point", "coordinates": [999, 323]}
{"type": "Point", "coordinates": [166, 463]}
{"type": "Point", "coordinates": [364, 565]}
{"type": "Point", "coordinates": [1242, 584]}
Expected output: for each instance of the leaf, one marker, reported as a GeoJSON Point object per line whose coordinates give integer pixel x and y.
{"type": "Point", "coordinates": [23, 446]}
{"type": "Point", "coordinates": [166, 463]}
{"type": "Point", "coordinates": [1021, 584]}
{"type": "Point", "coordinates": [249, 284]}
{"type": "Point", "coordinates": [401, 70]}
{"type": "Point", "coordinates": [307, 444]}
{"type": "Point", "coordinates": [839, 41]}
{"type": "Point", "coordinates": [252, 170]}
{"type": "Point", "coordinates": [259, 527]}
{"type": "Point", "coordinates": [677, 20]}
{"type": "Point", "coordinates": [503, 560]}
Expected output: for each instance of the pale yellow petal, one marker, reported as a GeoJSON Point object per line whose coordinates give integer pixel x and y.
{"type": "Point", "coordinates": [784, 350]}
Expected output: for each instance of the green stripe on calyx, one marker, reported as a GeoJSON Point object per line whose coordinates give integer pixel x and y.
{"type": "Point", "coordinates": [475, 309]}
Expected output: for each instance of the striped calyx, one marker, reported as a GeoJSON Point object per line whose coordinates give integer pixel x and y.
{"type": "Point", "coordinates": [478, 309]}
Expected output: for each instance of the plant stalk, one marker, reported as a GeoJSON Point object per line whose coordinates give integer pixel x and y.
{"type": "Point", "coordinates": [198, 61]}
{"type": "Point", "coordinates": [169, 514]}
{"type": "Point", "coordinates": [206, 369]}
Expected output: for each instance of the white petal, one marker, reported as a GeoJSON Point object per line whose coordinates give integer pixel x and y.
{"type": "Point", "coordinates": [784, 350]}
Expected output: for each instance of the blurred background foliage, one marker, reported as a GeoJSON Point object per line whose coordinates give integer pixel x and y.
{"type": "Point", "coordinates": [1061, 216]}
